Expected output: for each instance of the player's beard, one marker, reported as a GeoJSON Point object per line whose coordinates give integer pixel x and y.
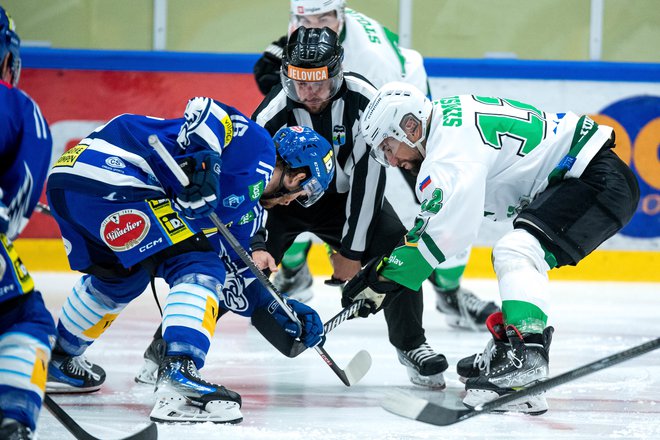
{"type": "Point", "coordinates": [412, 166]}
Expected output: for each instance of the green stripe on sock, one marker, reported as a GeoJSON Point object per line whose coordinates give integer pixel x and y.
{"type": "Point", "coordinates": [296, 255]}
{"type": "Point", "coordinates": [447, 279]}
{"type": "Point", "coordinates": [527, 317]}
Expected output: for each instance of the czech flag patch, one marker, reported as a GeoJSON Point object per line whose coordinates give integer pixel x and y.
{"type": "Point", "coordinates": [426, 182]}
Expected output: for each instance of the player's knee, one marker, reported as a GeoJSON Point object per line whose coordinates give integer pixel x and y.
{"type": "Point", "coordinates": [517, 250]}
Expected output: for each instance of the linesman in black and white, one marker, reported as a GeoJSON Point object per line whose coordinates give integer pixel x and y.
{"type": "Point", "coordinates": [352, 217]}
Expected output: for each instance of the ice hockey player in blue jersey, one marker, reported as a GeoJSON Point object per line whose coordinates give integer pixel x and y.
{"type": "Point", "coordinates": [125, 218]}
{"type": "Point", "coordinates": [25, 324]}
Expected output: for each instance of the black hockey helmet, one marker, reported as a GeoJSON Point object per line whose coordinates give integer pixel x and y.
{"type": "Point", "coordinates": [312, 56]}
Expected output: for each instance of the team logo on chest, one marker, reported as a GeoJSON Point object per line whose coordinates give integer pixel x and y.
{"type": "Point", "coordinates": [338, 135]}
{"type": "Point", "coordinates": [125, 229]}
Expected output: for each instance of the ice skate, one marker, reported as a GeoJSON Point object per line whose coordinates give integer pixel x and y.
{"type": "Point", "coordinates": [296, 284]}
{"type": "Point", "coordinates": [153, 356]}
{"type": "Point", "coordinates": [424, 366]}
{"type": "Point", "coordinates": [463, 308]}
{"type": "Point", "coordinates": [526, 362]}
{"type": "Point", "coordinates": [495, 350]}
{"type": "Point", "coordinates": [73, 374]}
{"type": "Point", "coordinates": [13, 430]}
{"type": "Point", "coordinates": [183, 396]}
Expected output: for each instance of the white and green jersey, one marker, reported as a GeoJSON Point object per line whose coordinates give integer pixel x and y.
{"type": "Point", "coordinates": [486, 157]}
{"type": "Point", "coordinates": [372, 51]}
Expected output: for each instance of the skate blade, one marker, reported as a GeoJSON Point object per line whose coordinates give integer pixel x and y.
{"type": "Point", "coordinates": [434, 381]}
{"type": "Point", "coordinates": [64, 388]}
{"type": "Point", "coordinates": [148, 372]}
{"type": "Point", "coordinates": [533, 405]}
{"type": "Point", "coordinates": [169, 409]}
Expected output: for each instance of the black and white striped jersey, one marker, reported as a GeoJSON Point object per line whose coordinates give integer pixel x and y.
{"type": "Point", "coordinates": [357, 173]}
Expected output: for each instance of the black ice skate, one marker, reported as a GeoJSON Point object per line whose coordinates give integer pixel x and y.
{"type": "Point", "coordinates": [183, 396]}
{"type": "Point", "coordinates": [153, 356]}
{"type": "Point", "coordinates": [295, 283]}
{"type": "Point", "coordinates": [526, 362]}
{"type": "Point", "coordinates": [463, 308]}
{"type": "Point", "coordinates": [13, 430]}
{"type": "Point", "coordinates": [495, 350]}
{"type": "Point", "coordinates": [73, 374]}
{"type": "Point", "coordinates": [424, 366]}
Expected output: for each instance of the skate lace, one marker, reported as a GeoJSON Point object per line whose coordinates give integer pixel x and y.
{"type": "Point", "coordinates": [482, 360]}
{"type": "Point", "coordinates": [421, 354]}
{"type": "Point", "coordinates": [80, 366]}
{"type": "Point", "coordinates": [516, 361]}
{"type": "Point", "coordinates": [470, 302]}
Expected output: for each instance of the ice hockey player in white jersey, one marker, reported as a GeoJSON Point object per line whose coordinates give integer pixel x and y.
{"type": "Point", "coordinates": [554, 175]}
{"type": "Point", "coordinates": [371, 50]}
{"type": "Point", "coordinates": [26, 327]}
{"type": "Point", "coordinates": [125, 219]}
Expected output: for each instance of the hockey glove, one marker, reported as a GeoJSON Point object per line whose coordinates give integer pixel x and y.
{"type": "Point", "coordinates": [200, 197]}
{"type": "Point", "coordinates": [366, 285]}
{"type": "Point", "coordinates": [311, 333]}
{"type": "Point", "coordinates": [267, 68]}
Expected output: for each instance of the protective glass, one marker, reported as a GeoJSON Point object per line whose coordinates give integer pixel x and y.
{"type": "Point", "coordinates": [312, 191]}
{"type": "Point", "coordinates": [310, 85]}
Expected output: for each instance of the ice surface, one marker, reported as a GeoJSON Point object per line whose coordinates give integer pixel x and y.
{"type": "Point", "coordinates": [301, 398]}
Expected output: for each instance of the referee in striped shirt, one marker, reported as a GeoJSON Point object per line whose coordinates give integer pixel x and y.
{"type": "Point", "coordinates": [352, 216]}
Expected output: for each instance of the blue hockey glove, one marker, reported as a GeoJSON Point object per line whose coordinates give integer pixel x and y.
{"type": "Point", "coordinates": [311, 333]}
{"type": "Point", "coordinates": [200, 197]}
{"type": "Point", "coordinates": [366, 285]}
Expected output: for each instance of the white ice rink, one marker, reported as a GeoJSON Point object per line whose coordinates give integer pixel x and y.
{"type": "Point", "coordinates": [301, 398]}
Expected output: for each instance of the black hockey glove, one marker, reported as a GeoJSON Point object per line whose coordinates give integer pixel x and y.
{"type": "Point", "coordinates": [267, 68]}
{"type": "Point", "coordinates": [366, 285]}
{"type": "Point", "coordinates": [200, 197]}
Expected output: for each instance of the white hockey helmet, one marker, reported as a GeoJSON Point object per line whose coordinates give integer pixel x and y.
{"type": "Point", "coordinates": [395, 106]}
{"type": "Point", "coordinates": [300, 8]}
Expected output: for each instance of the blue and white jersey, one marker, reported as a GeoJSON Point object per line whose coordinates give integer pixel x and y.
{"type": "Point", "coordinates": [117, 164]}
{"type": "Point", "coordinates": [25, 149]}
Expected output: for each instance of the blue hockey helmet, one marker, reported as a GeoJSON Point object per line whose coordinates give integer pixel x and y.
{"type": "Point", "coordinates": [10, 44]}
{"type": "Point", "coordinates": [302, 147]}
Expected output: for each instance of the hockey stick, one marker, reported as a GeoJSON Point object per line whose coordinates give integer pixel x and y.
{"type": "Point", "coordinates": [361, 362]}
{"type": "Point", "coordinates": [346, 313]}
{"type": "Point", "coordinates": [406, 405]}
{"type": "Point", "coordinates": [148, 433]}
{"type": "Point", "coordinates": [279, 339]}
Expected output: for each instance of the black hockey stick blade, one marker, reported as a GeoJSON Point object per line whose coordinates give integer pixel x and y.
{"type": "Point", "coordinates": [354, 371]}
{"type": "Point", "coordinates": [412, 407]}
{"type": "Point", "coordinates": [148, 433]}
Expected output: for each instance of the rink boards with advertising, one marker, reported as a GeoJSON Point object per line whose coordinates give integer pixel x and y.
{"type": "Point", "coordinates": [78, 90]}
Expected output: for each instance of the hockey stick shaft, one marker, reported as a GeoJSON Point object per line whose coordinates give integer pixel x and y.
{"type": "Point", "coordinates": [571, 375]}
{"type": "Point", "coordinates": [148, 433]}
{"type": "Point", "coordinates": [331, 324]}
{"type": "Point", "coordinates": [435, 414]}
{"type": "Point", "coordinates": [236, 246]}
{"type": "Point", "coordinates": [181, 176]}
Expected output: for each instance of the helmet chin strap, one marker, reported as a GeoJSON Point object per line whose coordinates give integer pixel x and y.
{"type": "Point", "coordinates": [426, 128]}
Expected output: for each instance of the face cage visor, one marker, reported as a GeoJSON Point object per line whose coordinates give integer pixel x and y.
{"type": "Point", "coordinates": [325, 89]}
{"type": "Point", "coordinates": [312, 191]}
{"type": "Point", "coordinates": [387, 145]}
